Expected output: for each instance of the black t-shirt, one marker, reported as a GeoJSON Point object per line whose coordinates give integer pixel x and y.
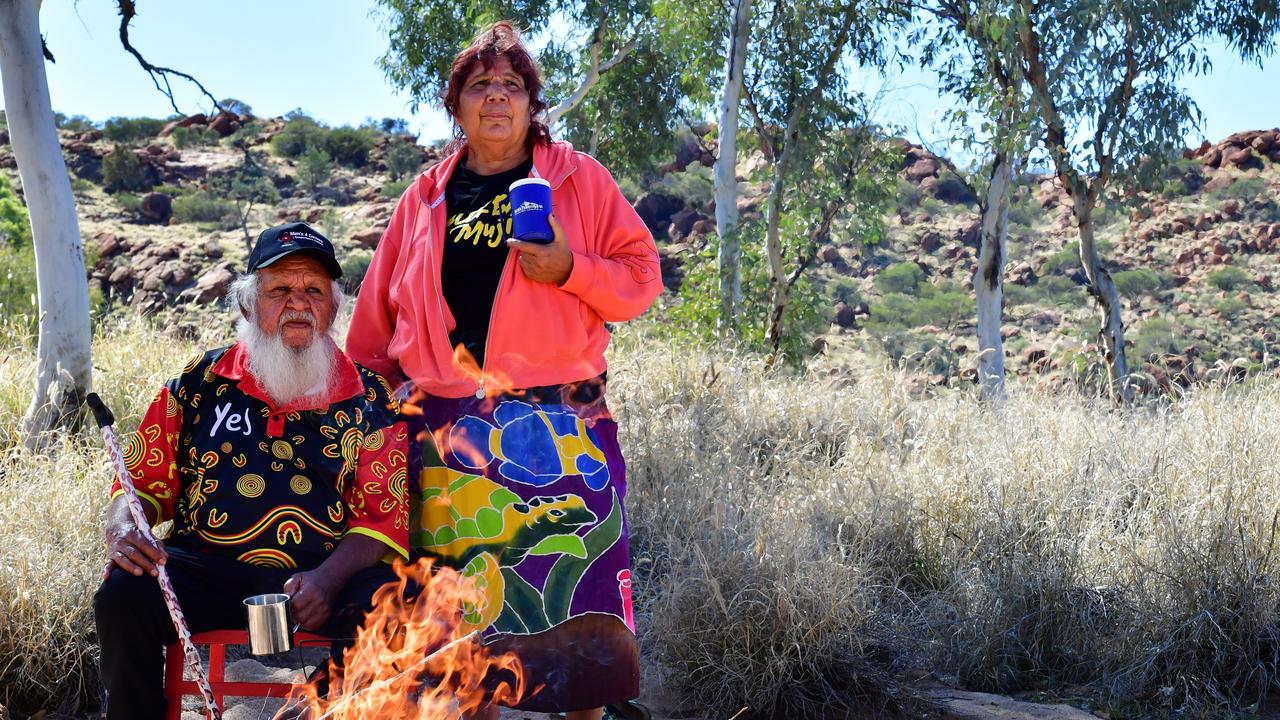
{"type": "Point", "coordinates": [475, 249]}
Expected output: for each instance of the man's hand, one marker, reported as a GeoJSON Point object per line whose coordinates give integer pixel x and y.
{"type": "Point", "coordinates": [550, 263]}
{"type": "Point", "coordinates": [130, 551]}
{"type": "Point", "coordinates": [127, 549]}
{"type": "Point", "coordinates": [311, 596]}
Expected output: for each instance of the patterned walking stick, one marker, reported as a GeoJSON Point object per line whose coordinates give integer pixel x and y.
{"type": "Point", "coordinates": [105, 420]}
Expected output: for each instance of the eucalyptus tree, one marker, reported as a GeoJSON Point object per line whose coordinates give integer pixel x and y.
{"type": "Point", "coordinates": [64, 370]}
{"type": "Point", "coordinates": [64, 367]}
{"type": "Point", "coordinates": [803, 109]}
{"type": "Point", "coordinates": [973, 49]}
{"type": "Point", "coordinates": [1104, 76]}
{"type": "Point", "coordinates": [602, 61]}
{"type": "Point", "coordinates": [710, 42]}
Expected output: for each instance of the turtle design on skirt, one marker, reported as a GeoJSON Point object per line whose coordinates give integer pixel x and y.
{"type": "Point", "coordinates": [473, 523]}
{"type": "Point", "coordinates": [549, 443]}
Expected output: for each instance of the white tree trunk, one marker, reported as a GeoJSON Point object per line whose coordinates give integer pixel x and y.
{"type": "Point", "coordinates": [988, 280]}
{"type": "Point", "coordinates": [726, 182]}
{"type": "Point", "coordinates": [1103, 290]}
{"type": "Point", "coordinates": [63, 365]}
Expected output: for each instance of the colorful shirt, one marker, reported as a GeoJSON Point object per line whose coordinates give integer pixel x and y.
{"type": "Point", "coordinates": [276, 487]}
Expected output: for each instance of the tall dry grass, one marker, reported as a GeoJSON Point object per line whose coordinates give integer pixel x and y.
{"type": "Point", "coordinates": [804, 541]}
{"type": "Point", "coordinates": [809, 538]}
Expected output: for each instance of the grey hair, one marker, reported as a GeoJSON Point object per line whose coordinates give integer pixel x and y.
{"type": "Point", "coordinates": [242, 295]}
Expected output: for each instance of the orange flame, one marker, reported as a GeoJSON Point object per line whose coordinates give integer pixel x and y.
{"type": "Point", "coordinates": [415, 657]}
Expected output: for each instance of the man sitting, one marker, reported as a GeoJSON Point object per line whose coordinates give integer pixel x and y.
{"type": "Point", "coordinates": [282, 465]}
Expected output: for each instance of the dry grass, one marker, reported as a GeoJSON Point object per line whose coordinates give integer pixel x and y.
{"type": "Point", "coordinates": [805, 541]}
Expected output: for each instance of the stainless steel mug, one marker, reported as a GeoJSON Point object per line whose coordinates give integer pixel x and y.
{"type": "Point", "coordinates": [269, 631]}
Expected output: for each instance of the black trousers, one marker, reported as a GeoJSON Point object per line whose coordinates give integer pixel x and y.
{"type": "Point", "coordinates": [134, 625]}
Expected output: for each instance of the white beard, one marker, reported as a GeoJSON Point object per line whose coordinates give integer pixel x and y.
{"type": "Point", "coordinates": [285, 373]}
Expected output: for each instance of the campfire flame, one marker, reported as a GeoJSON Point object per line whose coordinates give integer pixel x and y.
{"type": "Point", "coordinates": [415, 657]}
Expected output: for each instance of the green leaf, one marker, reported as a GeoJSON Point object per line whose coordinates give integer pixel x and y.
{"type": "Point", "coordinates": [560, 545]}
{"type": "Point", "coordinates": [562, 581]}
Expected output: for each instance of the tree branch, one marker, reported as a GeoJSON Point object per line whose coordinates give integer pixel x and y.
{"type": "Point", "coordinates": [597, 69]}
{"type": "Point", "coordinates": [159, 75]}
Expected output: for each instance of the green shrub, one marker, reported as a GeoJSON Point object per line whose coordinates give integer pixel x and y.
{"type": "Point", "coordinates": [204, 206]}
{"type": "Point", "coordinates": [314, 167]}
{"type": "Point", "coordinates": [1245, 189]}
{"type": "Point", "coordinates": [1137, 282]}
{"type": "Point", "coordinates": [127, 130]}
{"type": "Point", "coordinates": [300, 133]}
{"type": "Point", "coordinates": [943, 309]}
{"type": "Point", "coordinates": [15, 225]}
{"type": "Point", "coordinates": [1025, 211]}
{"type": "Point", "coordinates": [17, 259]}
{"type": "Point", "coordinates": [892, 312]}
{"type": "Point", "coordinates": [81, 186]}
{"type": "Point", "coordinates": [349, 146]}
{"type": "Point", "coordinates": [394, 188]}
{"type": "Point", "coordinates": [354, 266]}
{"type": "Point", "coordinates": [195, 136]}
{"type": "Point", "coordinates": [1157, 336]}
{"type": "Point", "coordinates": [1049, 290]}
{"type": "Point", "coordinates": [695, 186]}
{"type": "Point", "coordinates": [691, 317]}
{"type": "Point", "coordinates": [75, 123]}
{"type": "Point", "coordinates": [844, 289]}
{"type": "Point", "coordinates": [1065, 261]}
{"type": "Point", "coordinates": [402, 159]}
{"type": "Point", "coordinates": [130, 202]}
{"type": "Point", "coordinates": [903, 277]}
{"type": "Point", "coordinates": [18, 283]}
{"type": "Point", "coordinates": [1228, 278]}
{"type": "Point", "coordinates": [122, 170]}
{"type": "Point", "coordinates": [909, 195]}
{"type": "Point", "coordinates": [1230, 306]}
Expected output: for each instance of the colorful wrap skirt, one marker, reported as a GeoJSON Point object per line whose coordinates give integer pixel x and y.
{"type": "Point", "coordinates": [525, 494]}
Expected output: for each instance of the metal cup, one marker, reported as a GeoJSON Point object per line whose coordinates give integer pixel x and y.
{"type": "Point", "coordinates": [269, 624]}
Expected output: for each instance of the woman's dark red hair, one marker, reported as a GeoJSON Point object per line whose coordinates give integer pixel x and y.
{"type": "Point", "coordinates": [500, 39]}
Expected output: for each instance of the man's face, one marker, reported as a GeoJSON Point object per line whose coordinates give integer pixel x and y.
{"type": "Point", "coordinates": [295, 301]}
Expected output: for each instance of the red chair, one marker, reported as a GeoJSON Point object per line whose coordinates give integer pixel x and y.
{"type": "Point", "coordinates": [176, 687]}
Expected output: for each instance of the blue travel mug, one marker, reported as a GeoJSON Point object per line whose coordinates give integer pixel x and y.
{"type": "Point", "coordinates": [530, 206]}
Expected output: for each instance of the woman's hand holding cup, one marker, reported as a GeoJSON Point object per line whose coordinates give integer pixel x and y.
{"type": "Point", "coordinates": [549, 263]}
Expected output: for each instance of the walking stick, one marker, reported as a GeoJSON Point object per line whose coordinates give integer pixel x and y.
{"type": "Point", "coordinates": [105, 420]}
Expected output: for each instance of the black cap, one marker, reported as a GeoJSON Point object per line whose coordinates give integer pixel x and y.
{"type": "Point", "coordinates": [293, 239]}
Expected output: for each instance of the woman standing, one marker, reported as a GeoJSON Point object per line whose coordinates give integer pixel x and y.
{"type": "Point", "coordinates": [503, 342]}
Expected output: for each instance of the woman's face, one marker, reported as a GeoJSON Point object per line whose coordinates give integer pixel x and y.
{"type": "Point", "coordinates": [493, 108]}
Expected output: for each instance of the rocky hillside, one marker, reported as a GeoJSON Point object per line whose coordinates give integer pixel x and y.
{"type": "Point", "coordinates": [1195, 260]}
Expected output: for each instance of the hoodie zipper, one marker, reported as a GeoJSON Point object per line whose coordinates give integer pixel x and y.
{"type": "Point", "coordinates": [488, 333]}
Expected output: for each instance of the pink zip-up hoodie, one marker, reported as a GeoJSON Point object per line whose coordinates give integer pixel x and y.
{"type": "Point", "coordinates": [539, 334]}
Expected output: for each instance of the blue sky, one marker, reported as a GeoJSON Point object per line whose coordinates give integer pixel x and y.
{"type": "Point", "coordinates": [321, 56]}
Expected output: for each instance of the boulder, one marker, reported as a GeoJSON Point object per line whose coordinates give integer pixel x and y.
{"type": "Point", "coordinates": [921, 169]}
{"type": "Point", "coordinates": [1021, 274]}
{"type": "Point", "coordinates": [168, 128]}
{"type": "Point", "coordinates": [682, 223]}
{"type": "Point", "coordinates": [121, 275]}
{"type": "Point", "coordinates": [846, 316]}
{"type": "Point", "coordinates": [656, 210]}
{"type": "Point", "coordinates": [197, 119]}
{"type": "Point", "coordinates": [224, 124]}
{"type": "Point", "coordinates": [830, 255]}
{"type": "Point", "coordinates": [929, 241]}
{"type": "Point", "coordinates": [1218, 182]}
{"type": "Point", "coordinates": [157, 207]}
{"type": "Point", "coordinates": [212, 285]}
{"type": "Point", "coordinates": [1242, 157]}
{"type": "Point", "coordinates": [108, 244]}
{"type": "Point", "coordinates": [950, 189]}
{"type": "Point", "coordinates": [368, 238]}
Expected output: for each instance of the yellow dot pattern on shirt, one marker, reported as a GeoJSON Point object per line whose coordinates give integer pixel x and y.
{"type": "Point", "coordinates": [282, 450]}
{"type": "Point", "coordinates": [300, 484]}
{"type": "Point", "coordinates": [251, 485]}
{"type": "Point", "coordinates": [226, 447]}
